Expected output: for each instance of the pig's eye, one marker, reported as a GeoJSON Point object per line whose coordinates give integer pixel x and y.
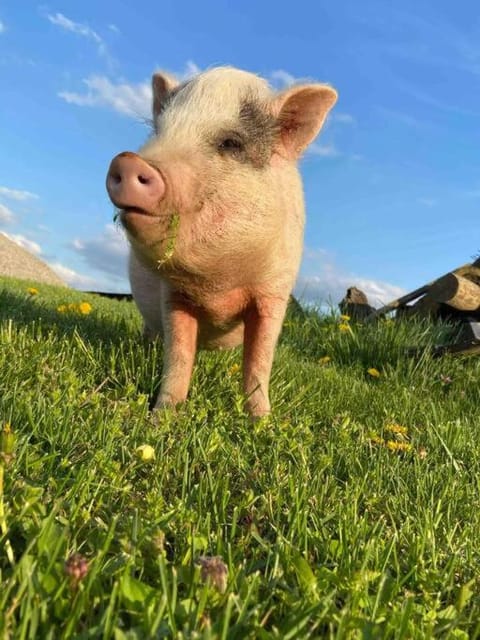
{"type": "Point", "coordinates": [231, 144]}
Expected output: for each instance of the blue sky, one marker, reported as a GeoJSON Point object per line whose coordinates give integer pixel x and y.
{"type": "Point", "coordinates": [392, 184]}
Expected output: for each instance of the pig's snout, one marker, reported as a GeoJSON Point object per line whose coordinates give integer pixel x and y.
{"type": "Point", "coordinates": [133, 184]}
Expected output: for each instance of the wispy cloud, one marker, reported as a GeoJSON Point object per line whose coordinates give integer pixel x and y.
{"type": "Point", "coordinates": [431, 101]}
{"type": "Point", "coordinates": [402, 117]}
{"type": "Point", "coordinates": [6, 215]}
{"type": "Point", "coordinates": [342, 118]}
{"type": "Point", "coordinates": [132, 100]}
{"type": "Point", "coordinates": [83, 30]}
{"type": "Point", "coordinates": [75, 27]}
{"type": "Point", "coordinates": [17, 194]}
{"type": "Point", "coordinates": [323, 150]}
{"type": "Point", "coordinates": [282, 78]}
{"type": "Point", "coordinates": [2, 27]}
{"type": "Point", "coordinates": [114, 28]}
{"type": "Point", "coordinates": [129, 99]}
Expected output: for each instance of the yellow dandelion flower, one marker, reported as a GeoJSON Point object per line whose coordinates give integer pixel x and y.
{"type": "Point", "coordinates": [85, 308]}
{"type": "Point", "coordinates": [374, 439]}
{"type": "Point", "coordinates": [398, 447]}
{"type": "Point", "coordinates": [145, 453]}
{"type": "Point", "coordinates": [62, 308]}
{"type": "Point", "coordinates": [345, 318]}
{"type": "Point", "coordinates": [398, 429]}
{"type": "Point", "coordinates": [324, 360]}
{"type": "Point", "coordinates": [344, 327]}
{"type": "Point", "coordinates": [375, 373]}
{"type": "Point", "coordinates": [32, 291]}
{"type": "Point", "coordinates": [235, 368]}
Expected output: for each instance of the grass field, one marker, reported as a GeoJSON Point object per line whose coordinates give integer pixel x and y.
{"type": "Point", "coordinates": [353, 512]}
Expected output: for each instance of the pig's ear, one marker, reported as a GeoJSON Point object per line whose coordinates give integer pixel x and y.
{"type": "Point", "coordinates": [162, 85]}
{"type": "Point", "coordinates": [301, 112]}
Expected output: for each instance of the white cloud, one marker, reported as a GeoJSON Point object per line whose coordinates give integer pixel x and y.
{"type": "Point", "coordinates": [2, 27]}
{"type": "Point", "coordinates": [71, 277]}
{"type": "Point", "coordinates": [330, 283]}
{"type": "Point", "coordinates": [342, 118]}
{"type": "Point", "coordinates": [16, 194]}
{"type": "Point", "coordinates": [107, 253]}
{"type": "Point", "coordinates": [75, 27]}
{"type": "Point", "coordinates": [6, 215]}
{"type": "Point", "coordinates": [191, 69]}
{"type": "Point", "coordinates": [282, 78]}
{"type": "Point", "coordinates": [323, 150]}
{"type": "Point", "coordinates": [60, 20]}
{"type": "Point", "coordinates": [114, 28]}
{"type": "Point", "coordinates": [24, 242]}
{"type": "Point", "coordinates": [133, 100]}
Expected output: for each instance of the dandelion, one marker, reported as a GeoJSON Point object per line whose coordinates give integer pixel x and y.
{"type": "Point", "coordinates": [398, 447]}
{"type": "Point", "coordinates": [145, 453]}
{"type": "Point", "coordinates": [374, 439]}
{"type": "Point", "coordinates": [344, 327]}
{"type": "Point", "coordinates": [397, 429]}
{"type": "Point", "coordinates": [213, 571]}
{"type": "Point", "coordinates": [324, 360]}
{"type": "Point", "coordinates": [62, 308]}
{"type": "Point", "coordinates": [85, 308]}
{"type": "Point", "coordinates": [375, 373]}
{"type": "Point", "coordinates": [345, 318]}
{"type": "Point", "coordinates": [32, 291]}
{"type": "Point", "coordinates": [71, 306]}
{"type": "Point", "coordinates": [234, 369]}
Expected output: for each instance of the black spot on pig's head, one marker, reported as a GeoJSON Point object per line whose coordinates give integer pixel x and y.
{"type": "Point", "coordinates": [252, 138]}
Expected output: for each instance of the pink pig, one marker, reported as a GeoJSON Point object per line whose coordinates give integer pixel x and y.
{"type": "Point", "coordinates": [213, 209]}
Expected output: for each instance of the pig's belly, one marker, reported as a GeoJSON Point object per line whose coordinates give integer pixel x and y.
{"type": "Point", "coordinates": [214, 337]}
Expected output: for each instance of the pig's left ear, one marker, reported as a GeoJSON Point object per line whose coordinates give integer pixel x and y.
{"type": "Point", "coordinates": [301, 112]}
{"type": "Point", "coordinates": [162, 85]}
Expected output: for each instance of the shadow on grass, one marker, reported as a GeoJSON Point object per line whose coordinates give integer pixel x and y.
{"type": "Point", "coordinates": [102, 326]}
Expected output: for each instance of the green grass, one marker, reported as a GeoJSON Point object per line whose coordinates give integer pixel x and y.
{"type": "Point", "coordinates": [326, 531]}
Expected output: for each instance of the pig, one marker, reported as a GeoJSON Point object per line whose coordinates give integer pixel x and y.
{"type": "Point", "coordinates": [213, 210]}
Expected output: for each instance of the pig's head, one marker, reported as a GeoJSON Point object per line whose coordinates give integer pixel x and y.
{"type": "Point", "coordinates": [222, 156]}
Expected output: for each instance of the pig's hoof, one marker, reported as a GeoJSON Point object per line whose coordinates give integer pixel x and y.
{"type": "Point", "coordinates": [256, 413]}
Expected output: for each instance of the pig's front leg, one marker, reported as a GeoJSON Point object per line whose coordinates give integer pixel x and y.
{"type": "Point", "coordinates": [180, 328]}
{"type": "Point", "coordinates": [263, 323]}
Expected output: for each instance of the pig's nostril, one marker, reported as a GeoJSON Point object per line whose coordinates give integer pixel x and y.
{"type": "Point", "coordinates": [143, 179]}
{"type": "Point", "coordinates": [117, 178]}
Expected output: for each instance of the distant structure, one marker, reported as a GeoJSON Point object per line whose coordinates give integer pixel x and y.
{"type": "Point", "coordinates": [17, 262]}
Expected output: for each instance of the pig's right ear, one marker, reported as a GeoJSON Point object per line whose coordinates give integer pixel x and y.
{"type": "Point", "coordinates": [162, 85]}
{"type": "Point", "coordinates": [301, 112]}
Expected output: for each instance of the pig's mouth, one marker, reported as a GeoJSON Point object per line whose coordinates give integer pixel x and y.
{"type": "Point", "coordinates": [137, 210]}
{"type": "Point", "coordinates": [123, 214]}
